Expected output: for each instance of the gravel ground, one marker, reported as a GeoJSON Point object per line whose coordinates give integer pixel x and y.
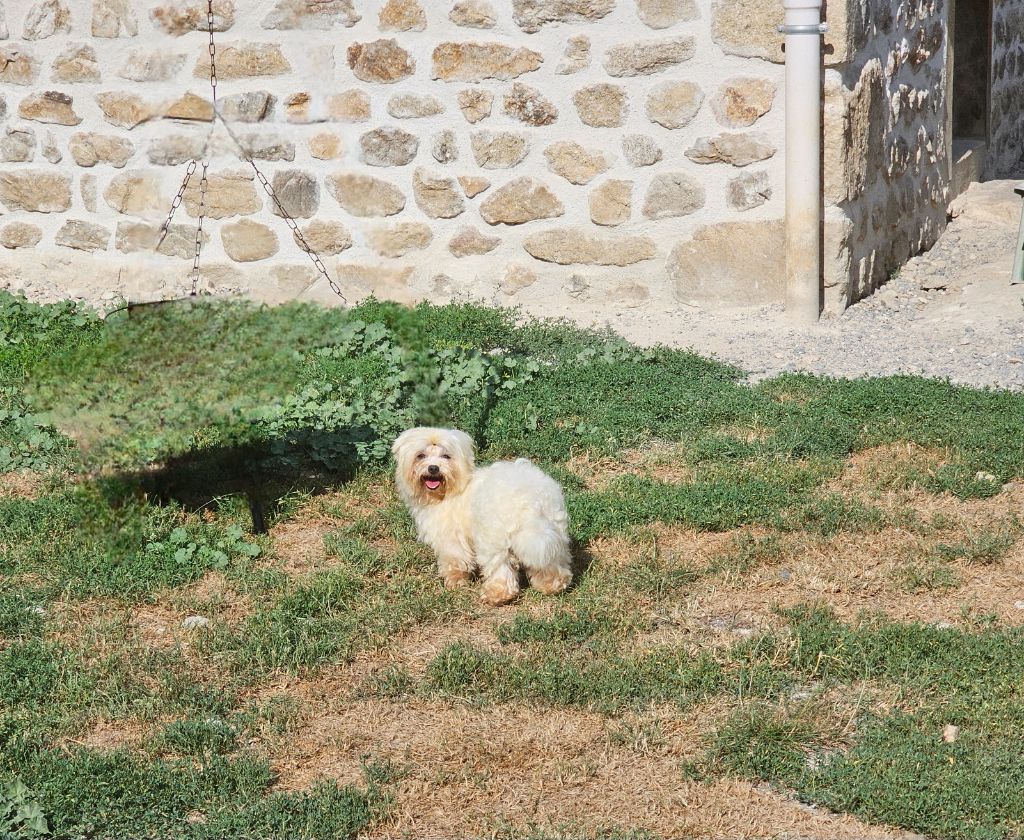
{"type": "Point", "coordinates": [950, 313]}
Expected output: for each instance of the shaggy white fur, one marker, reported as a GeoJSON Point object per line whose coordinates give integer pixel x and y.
{"type": "Point", "coordinates": [498, 519]}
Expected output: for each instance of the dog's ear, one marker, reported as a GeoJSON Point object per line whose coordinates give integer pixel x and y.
{"type": "Point", "coordinates": [401, 441]}
{"type": "Point", "coordinates": [465, 444]}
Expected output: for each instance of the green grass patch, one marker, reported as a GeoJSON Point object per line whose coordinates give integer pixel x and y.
{"type": "Point", "coordinates": [362, 601]}
{"type": "Point", "coordinates": [606, 682]}
{"type": "Point", "coordinates": [113, 795]}
{"type": "Point", "coordinates": [104, 538]}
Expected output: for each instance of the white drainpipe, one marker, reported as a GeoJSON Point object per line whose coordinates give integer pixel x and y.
{"type": "Point", "coordinates": [803, 30]}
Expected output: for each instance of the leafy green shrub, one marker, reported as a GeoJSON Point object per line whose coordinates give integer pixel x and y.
{"type": "Point", "coordinates": [21, 815]}
{"type": "Point", "coordinates": [30, 332]}
{"type": "Point", "coordinates": [26, 440]}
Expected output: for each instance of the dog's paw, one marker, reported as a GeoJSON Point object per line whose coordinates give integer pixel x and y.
{"type": "Point", "coordinates": [456, 578]}
{"type": "Point", "coordinates": [551, 581]}
{"type": "Point", "coordinates": [496, 593]}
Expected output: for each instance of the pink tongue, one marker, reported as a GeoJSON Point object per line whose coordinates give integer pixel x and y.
{"type": "Point", "coordinates": [432, 485]}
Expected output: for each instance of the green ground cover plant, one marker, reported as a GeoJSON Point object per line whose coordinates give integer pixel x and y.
{"type": "Point", "coordinates": [132, 450]}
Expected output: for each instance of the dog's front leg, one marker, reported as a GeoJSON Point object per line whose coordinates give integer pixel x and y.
{"type": "Point", "coordinates": [455, 563]}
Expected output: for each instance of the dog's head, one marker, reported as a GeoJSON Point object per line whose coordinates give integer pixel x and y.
{"type": "Point", "coordinates": [432, 463]}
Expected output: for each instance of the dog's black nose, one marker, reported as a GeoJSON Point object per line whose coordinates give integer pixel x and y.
{"type": "Point", "coordinates": [433, 469]}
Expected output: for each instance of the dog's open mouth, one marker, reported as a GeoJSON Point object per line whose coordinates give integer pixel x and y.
{"type": "Point", "coordinates": [432, 482]}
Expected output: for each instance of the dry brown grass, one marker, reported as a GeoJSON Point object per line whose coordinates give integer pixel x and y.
{"type": "Point", "coordinates": [20, 485]}
{"type": "Point", "coordinates": [111, 735]}
{"type": "Point", "coordinates": [658, 460]}
{"type": "Point", "coordinates": [470, 772]}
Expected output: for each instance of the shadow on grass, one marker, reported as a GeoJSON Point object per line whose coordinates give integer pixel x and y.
{"type": "Point", "coordinates": [263, 472]}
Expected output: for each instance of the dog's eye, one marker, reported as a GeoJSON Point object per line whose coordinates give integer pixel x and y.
{"type": "Point", "coordinates": [447, 457]}
{"type": "Point", "coordinates": [421, 456]}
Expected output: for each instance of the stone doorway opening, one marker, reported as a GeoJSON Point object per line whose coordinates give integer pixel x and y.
{"type": "Point", "coordinates": [969, 88]}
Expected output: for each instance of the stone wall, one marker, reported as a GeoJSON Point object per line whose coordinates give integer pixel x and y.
{"type": "Point", "coordinates": [886, 164]}
{"type": "Point", "coordinates": [887, 160]}
{"type": "Point", "coordinates": [562, 154]}
{"type": "Point", "coordinates": [1006, 143]}
{"type": "Point", "coordinates": [553, 151]}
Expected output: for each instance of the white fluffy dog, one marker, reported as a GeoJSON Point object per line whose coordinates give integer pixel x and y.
{"type": "Point", "coordinates": [499, 519]}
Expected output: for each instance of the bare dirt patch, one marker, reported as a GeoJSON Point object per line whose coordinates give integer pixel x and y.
{"type": "Point", "coordinates": [469, 772]}
{"type": "Point", "coordinates": [109, 735]}
{"type": "Point", "coordinates": [20, 485]}
{"type": "Point", "coordinates": [658, 460]}
{"type": "Point", "coordinates": [213, 597]}
{"type": "Point", "coordinates": [298, 546]}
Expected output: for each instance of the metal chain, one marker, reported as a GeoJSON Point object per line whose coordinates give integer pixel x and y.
{"type": "Point", "coordinates": [299, 238]}
{"type": "Point", "coordinates": [199, 229]}
{"type": "Point", "coordinates": [166, 226]}
{"type": "Point", "coordinates": [292, 224]}
{"type": "Point", "coordinates": [213, 52]}
{"type": "Point", "coordinates": [247, 156]}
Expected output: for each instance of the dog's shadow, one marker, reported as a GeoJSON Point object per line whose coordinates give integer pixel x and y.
{"type": "Point", "coordinates": [582, 560]}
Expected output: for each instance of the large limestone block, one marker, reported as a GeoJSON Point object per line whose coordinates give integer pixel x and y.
{"type": "Point", "coordinates": [521, 200]}
{"type": "Point", "coordinates": [474, 62]}
{"type": "Point", "coordinates": [855, 128]}
{"type": "Point", "coordinates": [575, 163]}
{"type": "Point", "coordinates": [136, 194]}
{"type": "Point", "coordinates": [82, 236]}
{"type": "Point", "coordinates": [643, 58]}
{"type": "Point", "coordinates": [382, 61]}
{"type": "Point", "coordinates": [710, 268]}
{"type": "Point", "coordinates": [531, 15]}
{"type": "Point", "coordinates": [364, 195]}
{"type": "Point", "coordinates": [569, 246]}
{"type": "Point", "coordinates": [439, 196]}
{"type": "Point", "coordinates": [35, 191]}
{"type": "Point", "coordinates": [673, 194]}
{"type": "Point", "coordinates": [248, 241]}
